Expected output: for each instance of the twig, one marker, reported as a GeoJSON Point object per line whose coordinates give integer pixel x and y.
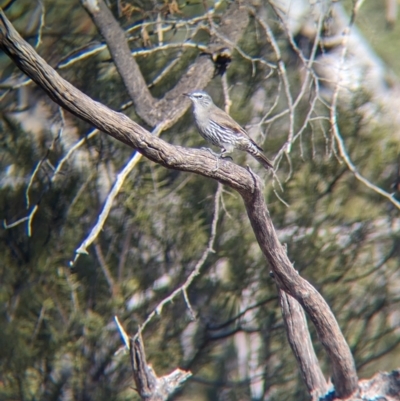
{"type": "Point", "coordinates": [200, 162]}
{"type": "Point", "coordinates": [105, 269]}
{"type": "Point", "coordinates": [28, 218]}
{"type": "Point", "coordinates": [109, 201]}
{"type": "Point", "coordinates": [196, 271]}
{"type": "Point", "coordinates": [333, 119]}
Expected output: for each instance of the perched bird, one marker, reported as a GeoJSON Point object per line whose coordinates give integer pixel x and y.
{"type": "Point", "coordinates": [220, 129]}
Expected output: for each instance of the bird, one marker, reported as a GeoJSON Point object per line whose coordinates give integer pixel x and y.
{"type": "Point", "coordinates": [221, 130]}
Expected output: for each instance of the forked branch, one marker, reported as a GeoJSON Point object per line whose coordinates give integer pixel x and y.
{"type": "Point", "coordinates": [196, 161]}
{"type": "Point", "coordinates": [171, 107]}
{"type": "Point", "coordinates": [149, 386]}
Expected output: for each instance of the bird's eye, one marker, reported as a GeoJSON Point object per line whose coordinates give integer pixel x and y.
{"type": "Point", "coordinates": [200, 96]}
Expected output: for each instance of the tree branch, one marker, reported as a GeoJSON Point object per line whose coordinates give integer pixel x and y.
{"type": "Point", "coordinates": [115, 124]}
{"type": "Point", "coordinates": [148, 385]}
{"type": "Point", "coordinates": [200, 162]}
{"type": "Point", "coordinates": [329, 333]}
{"type": "Point", "coordinates": [171, 107]}
{"type": "Point", "coordinates": [300, 342]}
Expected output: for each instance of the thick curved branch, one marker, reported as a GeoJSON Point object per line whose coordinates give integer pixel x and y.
{"type": "Point", "coordinates": [116, 124]}
{"type": "Point", "coordinates": [200, 162]}
{"type": "Point", "coordinates": [301, 344]}
{"type": "Point", "coordinates": [171, 107]}
{"type": "Point", "coordinates": [121, 54]}
{"type": "Point", "coordinates": [329, 333]}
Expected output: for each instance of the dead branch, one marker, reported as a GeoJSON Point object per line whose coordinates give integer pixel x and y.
{"type": "Point", "coordinates": [171, 107]}
{"type": "Point", "coordinates": [329, 333]}
{"type": "Point", "coordinates": [125, 130]}
{"type": "Point", "coordinates": [148, 385]}
{"type": "Point", "coordinates": [195, 272]}
{"type": "Point", "coordinates": [300, 342]}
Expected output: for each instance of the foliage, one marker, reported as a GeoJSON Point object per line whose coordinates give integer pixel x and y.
{"type": "Point", "coordinates": [59, 340]}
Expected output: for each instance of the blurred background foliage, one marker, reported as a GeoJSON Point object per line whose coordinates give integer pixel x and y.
{"type": "Point", "coordinates": [58, 339]}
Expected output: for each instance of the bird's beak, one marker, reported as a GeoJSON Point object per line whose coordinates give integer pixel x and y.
{"type": "Point", "coordinates": [186, 94]}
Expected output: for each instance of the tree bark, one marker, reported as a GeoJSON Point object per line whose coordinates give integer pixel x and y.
{"type": "Point", "coordinates": [301, 344]}
{"type": "Point", "coordinates": [148, 385]}
{"type": "Point", "coordinates": [200, 162]}
{"type": "Point", "coordinates": [171, 107]}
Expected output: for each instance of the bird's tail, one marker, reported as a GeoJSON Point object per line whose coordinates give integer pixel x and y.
{"type": "Point", "coordinates": [258, 154]}
{"type": "Point", "coordinates": [261, 158]}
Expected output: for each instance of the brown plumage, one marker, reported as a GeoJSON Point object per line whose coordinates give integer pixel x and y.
{"type": "Point", "coordinates": [220, 129]}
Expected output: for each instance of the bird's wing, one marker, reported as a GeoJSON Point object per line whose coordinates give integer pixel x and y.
{"type": "Point", "coordinates": [225, 120]}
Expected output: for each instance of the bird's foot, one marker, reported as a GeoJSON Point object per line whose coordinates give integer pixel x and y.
{"type": "Point", "coordinates": [222, 156]}
{"type": "Point", "coordinates": [225, 156]}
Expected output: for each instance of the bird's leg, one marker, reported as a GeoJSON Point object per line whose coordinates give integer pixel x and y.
{"type": "Point", "coordinates": [216, 155]}
{"type": "Point", "coordinates": [223, 155]}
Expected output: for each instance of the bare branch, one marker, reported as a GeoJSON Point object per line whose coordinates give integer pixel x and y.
{"type": "Point", "coordinates": [329, 333]}
{"type": "Point", "coordinates": [109, 202]}
{"type": "Point", "coordinates": [300, 342]}
{"type": "Point", "coordinates": [171, 107]}
{"type": "Point", "coordinates": [196, 271]}
{"type": "Point", "coordinates": [71, 150]}
{"type": "Point", "coordinates": [28, 218]}
{"type": "Point", "coordinates": [148, 385]}
{"type": "Point", "coordinates": [333, 118]}
{"type": "Point", "coordinates": [127, 67]}
{"type": "Point", "coordinates": [200, 162]}
{"type": "Point", "coordinates": [105, 269]}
